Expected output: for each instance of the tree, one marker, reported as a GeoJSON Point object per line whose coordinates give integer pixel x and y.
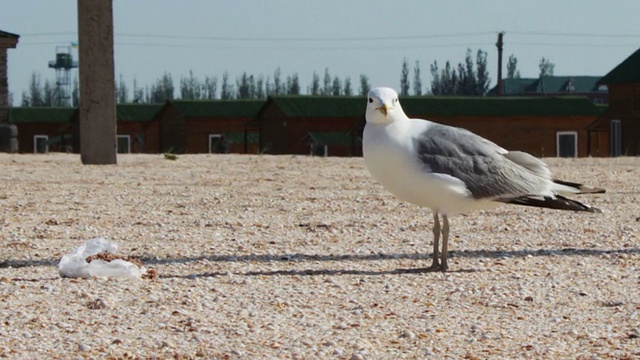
{"type": "Point", "coordinates": [35, 96]}
{"type": "Point", "coordinates": [512, 71]}
{"type": "Point", "coordinates": [210, 88]}
{"type": "Point", "coordinates": [364, 85]}
{"type": "Point", "coordinates": [336, 86]}
{"type": "Point", "coordinates": [122, 92]}
{"type": "Point", "coordinates": [293, 84]}
{"type": "Point", "coordinates": [417, 81]}
{"type": "Point", "coordinates": [314, 89]}
{"type": "Point", "coordinates": [260, 90]}
{"type": "Point", "coordinates": [347, 90]}
{"type": "Point", "coordinates": [404, 78]}
{"type": "Point", "coordinates": [546, 67]}
{"type": "Point", "coordinates": [467, 74]}
{"type": "Point", "coordinates": [482, 74]}
{"type": "Point", "coordinates": [436, 85]}
{"type": "Point", "coordinates": [278, 86]}
{"type": "Point", "coordinates": [49, 96]}
{"type": "Point", "coordinates": [138, 92]}
{"type": "Point", "coordinates": [75, 92]}
{"type": "Point", "coordinates": [326, 83]}
{"type": "Point", "coordinates": [162, 90]}
{"type": "Point", "coordinates": [465, 79]}
{"type": "Point", "coordinates": [227, 91]}
{"type": "Point", "coordinates": [245, 87]}
{"type": "Point", "coordinates": [190, 87]}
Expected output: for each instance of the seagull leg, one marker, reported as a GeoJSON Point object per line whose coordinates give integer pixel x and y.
{"type": "Point", "coordinates": [435, 265]}
{"type": "Point", "coordinates": [445, 242]}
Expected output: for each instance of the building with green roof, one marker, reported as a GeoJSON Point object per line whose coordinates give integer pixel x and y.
{"type": "Point", "coordinates": [299, 124]}
{"type": "Point", "coordinates": [209, 126]}
{"type": "Point", "coordinates": [618, 129]}
{"type": "Point", "coordinates": [43, 129]}
{"type": "Point", "coordinates": [588, 86]}
{"type": "Point", "coordinates": [543, 126]}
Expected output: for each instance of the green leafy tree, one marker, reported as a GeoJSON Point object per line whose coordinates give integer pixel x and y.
{"type": "Point", "coordinates": [35, 96]}
{"type": "Point", "coordinates": [326, 83]}
{"type": "Point", "coordinates": [210, 88]}
{"type": "Point", "coordinates": [227, 91]}
{"type": "Point", "coordinates": [482, 74]}
{"type": "Point", "coordinates": [347, 90]}
{"type": "Point", "coordinates": [260, 89]}
{"type": "Point", "coordinates": [245, 87]}
{"type": "Point", "coordinates": [512, 71]}
{"type": "Point", "coordinates": [75, 92]}
{"type": "Point", "coordinates": [191, 88]}
{"type": "Point", "coordinates": [404, 78]}
{"type": "Point", "coordinates": [465, 79]}
{"type": "Point", "coordinates": [293, 84]}
{"type": "Point", "coordinates": [314, 89]}
{"type": "Point", "coordinates": [546, 67]}
{"type": "Point", "coordinates": [279, 88]}
{"type": "Point", "coordinates": [336, 86]}
{"type": "Point", "coordinates": [364, 85]}
{"type": "Point", "coordinates": [122, 92]}
{"type": "Point", "coordinates": [417, 80]}
{"type": "Point", "coordinates": [162, 90]}
{"type": "Point", "coordinates": [138, 92]}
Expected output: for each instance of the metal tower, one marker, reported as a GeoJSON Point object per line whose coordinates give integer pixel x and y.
{"type": "Point", "coordinates": [63, 65]}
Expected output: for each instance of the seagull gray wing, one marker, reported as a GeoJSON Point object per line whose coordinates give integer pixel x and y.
{"type": "Point", "coordinates": [487, 170]}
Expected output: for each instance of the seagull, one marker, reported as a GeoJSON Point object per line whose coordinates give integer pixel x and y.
{"type": "Point", "coordinates": [452, 170]}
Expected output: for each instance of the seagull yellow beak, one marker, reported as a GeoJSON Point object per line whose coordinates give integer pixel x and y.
{"type": "Point", "coordinates": [384, 109]}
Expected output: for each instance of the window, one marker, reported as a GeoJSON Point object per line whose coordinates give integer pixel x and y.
{"type": "Point", "coordinates": [218, 144]}
{"type": "Point", "coordinates": [124, 144]}
{"type": "Point", "coordinates": [40, 144]}
{"type": "Point", "coordinates": [615, 134]}
{"type": "Point", "coordinates": [567, 143]}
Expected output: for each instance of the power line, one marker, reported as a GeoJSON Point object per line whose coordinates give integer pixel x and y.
{"type": "Point", "coordinates": [568, 34]}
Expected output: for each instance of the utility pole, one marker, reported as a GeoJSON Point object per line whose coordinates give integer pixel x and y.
{"type": "Point", "coordinates": [499, 46]}
{"type": "Point", "coordinates": [97, 110]}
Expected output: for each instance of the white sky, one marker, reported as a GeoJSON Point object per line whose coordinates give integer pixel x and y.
{"type": "Point", "coordinates": [581, 37]}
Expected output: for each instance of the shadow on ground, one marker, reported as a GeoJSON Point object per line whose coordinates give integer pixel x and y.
{"type": "Point", "coordinates": [300, 258]}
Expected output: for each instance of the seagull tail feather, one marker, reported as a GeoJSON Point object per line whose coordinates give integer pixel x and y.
{"type": "Point", "coordinates": [558, 202]}
{"type": "Point", "coordinates": [576, 188]}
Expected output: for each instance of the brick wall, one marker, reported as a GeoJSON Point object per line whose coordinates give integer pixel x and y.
{"type": "Point", "coordinates": [4, 87]}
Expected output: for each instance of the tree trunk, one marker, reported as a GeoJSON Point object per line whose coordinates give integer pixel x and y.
{"type": "Point", "coordinates": [97, 111]}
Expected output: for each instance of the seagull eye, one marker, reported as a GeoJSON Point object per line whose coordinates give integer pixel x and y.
{"type": "Point", "coordinates": [370, 100]}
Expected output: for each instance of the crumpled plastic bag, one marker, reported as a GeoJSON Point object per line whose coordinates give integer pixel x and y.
{"type": "Point", "coordinates": [75, 264]}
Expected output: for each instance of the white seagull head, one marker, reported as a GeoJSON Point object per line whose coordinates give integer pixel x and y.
{"type": "Point", "coordinates": [383, 106]}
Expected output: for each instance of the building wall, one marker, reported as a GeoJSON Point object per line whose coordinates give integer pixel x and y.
{"type": "Point", "coordinates": [4, 87]}
{"type": "Point", "coordinates": [536, 136]}
{"type": "Point", "coordinates": [27, 131]}
{"type": "Point", "coordinates": [144, 135]}
{"type": "Point", "coordinates": [199, 129]}
{"type": "Point", "coordinates": [300, 127]}
{"type": "Point", "coordinates": [172, 131]}
{"type": "Point", "coordinates": [275, 136]}
{"type": "Point", "coordinates": [624, 105]}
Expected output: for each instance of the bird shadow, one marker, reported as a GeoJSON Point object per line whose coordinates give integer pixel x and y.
{"type": "Point", "coordinates": [299, 258]}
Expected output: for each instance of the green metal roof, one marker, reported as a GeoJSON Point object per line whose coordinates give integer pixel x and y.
{"type": "Point", "coordinates": [18, 115]}
{"type": "Point", "coordinates": [5, 34]}
{"type": "Point", "coordinates": [328, 138]}
{"type": "Point", "coordinates": [238, 138]}
{"type": "Point", "coordinates": [218, 108]}
{"type": "Point", "coordinates": [320, 106]}
{"type": "Point", "coordinates": [549, 85]}
{"type": "Point", "coordinates": [349, 107]}
{"type": "Point", "coordinates": [137, 112]}
{"type": "Point", "coordinates": [626, 72]}
{"type": "Point", "coordinates": [498, 106]}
